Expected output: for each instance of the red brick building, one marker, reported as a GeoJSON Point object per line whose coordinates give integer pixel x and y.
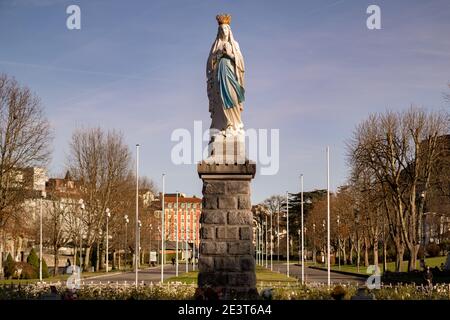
{"type": "Point", "coordinates": [187, 218]}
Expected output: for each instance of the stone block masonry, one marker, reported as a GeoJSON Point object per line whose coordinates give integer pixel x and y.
{"type": "Point", "coordinates": [226, 257]}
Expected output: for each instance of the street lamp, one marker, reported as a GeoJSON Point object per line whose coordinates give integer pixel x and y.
{"type": "Point", "coordinates": [43, 195]}
{"type": "Point", "coordinates": [194, 228]}
{"type": "Point", "coordinates": [82, 207]}
{"type": "Point", "coordinates": [278, 232]}
{"type": "Point", "coordinates": [287, 229]}
{"type": "Point", "coordinates": [176, 258]}
{"type": "Point", "coordinates": [163, 227]}
{"type": "Point", "coordinates": [186, 238]}
{"type": "Point", "coordinates": [271, 241]}
{"type": "Point", "coordinates": [267, 254]}
{"type": "Point", "coordinates": [108, 214]}
{"type": "Point", "coordinates": [324, 232]}
{"type": "Point", "coordinates": [139, 242]}
{"type": "Point", "coordinates": [314, 243]}
{"type": "Point", "coordinates": [257, 243]}
{"type": "Point", "coordinates": [328, 217]}
{"type": "Point", "coordinates": [126, 239]}
{"type": "Point", "coordinates": [422, 220]}
{"type": "Point", "coordinates": [339, 242]}
{"type": "Point", "coordinates": [299, 246]}
{"type": "Point", "coordinates": [136, 261]}
{"type": "Point", "coordinates": [302, 231]}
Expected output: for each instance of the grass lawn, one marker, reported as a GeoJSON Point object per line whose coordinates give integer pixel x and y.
{"type": "Point", "coordinates": [262, 276]}
{"type": "Point", "coordinates": [432, 262]}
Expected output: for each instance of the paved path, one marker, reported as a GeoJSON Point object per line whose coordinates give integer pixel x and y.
{"type": "Point", "coordinates": [154, 275]}
{"type": "Point", "coordinates": [147, 275]}
{"type": "Point", "coordinates": [316, 276]}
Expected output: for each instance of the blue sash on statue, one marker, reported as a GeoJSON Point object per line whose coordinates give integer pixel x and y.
{"type": "Point", "coordinates": [225, 76]}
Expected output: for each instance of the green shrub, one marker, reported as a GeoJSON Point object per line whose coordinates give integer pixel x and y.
{"type": "Point", "coordinates": [9, 267]}
{"type": "Point", "coordinates": [45, 273]}
{"type": "Point", "coordinates": [433, 250]}
{"type": "Point", "coordinates": [33, 260]}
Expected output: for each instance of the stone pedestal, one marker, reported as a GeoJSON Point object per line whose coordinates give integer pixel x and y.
{"type": "Point", "coordinates": [226, 262]}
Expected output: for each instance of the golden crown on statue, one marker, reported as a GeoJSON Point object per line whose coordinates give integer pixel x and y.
{"type": "Point", "coordinates": [223, 19]}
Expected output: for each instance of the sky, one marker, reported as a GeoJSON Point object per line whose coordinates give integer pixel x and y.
{"type": "Point", "coordinates": [313, 70]}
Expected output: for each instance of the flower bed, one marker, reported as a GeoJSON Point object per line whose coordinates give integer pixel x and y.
{"type": "Point", "coordinates": [172, 291]}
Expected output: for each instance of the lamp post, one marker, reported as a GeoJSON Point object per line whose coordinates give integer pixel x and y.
{"type": "Point", "coordinates": [258, 230]}
{"type": "Point", "coordinates": [188, 216]}
{"type": "Point", "coordinates": [324, 246]}
{"type": "Point", "coordinates": [257, 243]}
{"type": "Point", "coordinates": [287, 231]}
{"type": "Point", "coordinates": [108, 214]}
{"type": "Point", "coordinates": [302, 230]}
{"type": "Point", "coordinates": [261, 243]}
{"type": "Point", "coordinates": [328, 217]}
{"type": "Point", "coordinates": [139, 242]}
{"type": "Point", "coordinates": [186, 237]}
{"type": "Point", "coordinates": [82, 207]}
{"type": "Point", "coordinates": [423, 229]}
{"type": "Point", "coordinates": [43, 195]}
{"type": "Point", "coordinates": [192, 221]}
{"type": "Point", "coordinates": [271, 241]}
{"type": "Point", "coordinates": [157, 245]}
{"type": "Point", "coordinates": [278, 232]}
{"type": "Point", "coordinates": [314, 243]}
{"type": "Point", "coordinates": [126, 240]}
{"type": "Point", "coordinates": [339, 242]}
{"type": "Point", "coordinates": [176, 258]}
{"type": "Point", "coordinates": [163, 227]}
{"type": "Point", "coordinates": [136, 243]}
{"type": "Point", "coordinates": [267, 253]}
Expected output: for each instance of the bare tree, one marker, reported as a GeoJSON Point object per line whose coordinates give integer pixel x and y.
{"type": "Point", "coordinates": [24, 142]}
{"type": "Point", "coordinates": [57, 208]}
{"type": "Point", "coordinates": [399, 150]}
{"type": "Point", "coordinates": [101, 163]}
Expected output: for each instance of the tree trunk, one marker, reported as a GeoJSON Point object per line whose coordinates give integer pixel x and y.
{"type": "Point", "coordinates": [384, 256]}
{"type": "Point", "coordinates": [358, 252]}
{"type": "Point", "coordinates": [375, 252]}
{"type": "Point", "coordinates": [97, 262]}
{"type": "Point", "coordinates": [1, 252]}
{"type": "Point", "coordinates": [352, 248]}
{"type": "Point", "coordinates": [55, 255]}
{"type": "Point", "coordinates": [366, 255]}
{"type": "Point", "coordinates": [399, 258]}
{"type": "Point", "coordinates": [87, 261]}
{"type": "Point", "coordinates": [344, 254]}
{"type": "Point", "coordinates": [412, 262]}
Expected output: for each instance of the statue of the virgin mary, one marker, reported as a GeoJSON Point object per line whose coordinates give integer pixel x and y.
{"type": "Point", "coordinates": [225, 74]}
